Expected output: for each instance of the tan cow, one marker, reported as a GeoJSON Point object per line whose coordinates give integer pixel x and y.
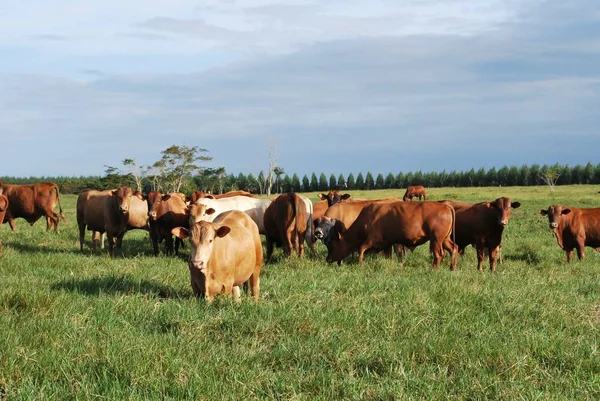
{"type": "Point", "coordinates": [105, 212]}
{"type": "Point", "coordinates": [224, 254]}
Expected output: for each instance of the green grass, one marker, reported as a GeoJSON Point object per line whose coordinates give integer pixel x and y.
{"type": "Point", "coordinates": [81, 326]}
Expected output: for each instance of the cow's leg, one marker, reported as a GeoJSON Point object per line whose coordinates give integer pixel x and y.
{"type": "Point", "coordinates": [453, 249]}
{"type": "Point", "coordinates": [255, 285]}
{"type": "Point", "coordinates": [269, 242]}
{"type": "Point", "coordinates": [111, 243]}
{"type": "Point", "coordinates": [569, 255]}
{"type": "Point", "coordinates": [479, 246]}
{"type": "Point", "coordinates": [154, 239]}
{"type": "Point", "coordinates": [300, 239]}
{"type": "Point", "coordinates": [288, 244]}
{"type": "Point", "coordinates": [11, 223]}
{"type": "Point", "coordinates": [169, 244]}
{"type": "Point", "coordinates": [399, 253]}
{"type": "Point", "coordinates": [81, 227]}
{"type": "Point", "coordinates": [48, 223]}
{"type": "Point", "coordinates": [437, 249]}
{"type": "Point", "coordinates": [236, 293]}
{"type": "Point", "coordinates": [363, 248]}
{"type": "Point", "coordinates": [499, 254]}
{"type": "Point", "coordinates": [580, 250]}
{"type": "Point", "coordinates": [119, 242]}
{"type": "Point", "coordinates": [492, 257]}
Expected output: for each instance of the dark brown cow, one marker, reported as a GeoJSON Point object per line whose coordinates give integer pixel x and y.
{"type": "Point", "coordinates": [166, 212]}
{"type": "Point", "coordinates": [105, 212]}
{"type": "Point", "coordinates": [201, 194]}
{"type": "Point", "coordinates": [31, 202]}
{"type": "Point", "coordinates": [286, 224]}
{"type": "Point", "coordinates": [417, 191]}
{"type": "Point", "coordinates": [481, 225]}
{"type": "Point", "coordinates": [224, 254]}
{"type": "Point", "coordinates": [574, 228]}
{"type": "Point", "coordinates": [382, 224]}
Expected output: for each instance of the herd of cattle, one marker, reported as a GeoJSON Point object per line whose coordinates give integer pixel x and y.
{"type": "Point", "coordinates": [224, 230]}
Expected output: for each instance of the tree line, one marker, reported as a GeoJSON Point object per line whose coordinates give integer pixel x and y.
{"type": "Point", "coordinates": [187, 177]}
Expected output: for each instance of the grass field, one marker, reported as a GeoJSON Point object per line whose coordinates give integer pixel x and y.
{"type": "Point", "coordinates": [81, 326]}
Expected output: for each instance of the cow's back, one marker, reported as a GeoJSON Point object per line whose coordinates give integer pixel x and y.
{"type": "Point", "coordinates": [348, 212]}
{"type": "Point", "coordinates": [581, 222]}
{"type": "Point", "coordinates": [21, 199]}
{"type": "Point", "coordinates": [254, 207]}
{"type": "Point", "coordinates": [91, 206]}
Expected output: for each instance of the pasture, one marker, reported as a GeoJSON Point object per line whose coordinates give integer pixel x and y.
{"type": "Point", "coordinates": [80, 326]}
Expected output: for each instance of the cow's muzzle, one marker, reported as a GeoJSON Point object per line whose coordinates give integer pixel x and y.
{"type": "Point", "coordinates": [553, 225]}
{"type": "Point", "coordinates": [152, 215]}
{"type": "Point", "coordinates": [503, 223]}
{"type": "Point", "coordinates": [319, 234]}
{"type": "Point", "coordinates": [123, 208]}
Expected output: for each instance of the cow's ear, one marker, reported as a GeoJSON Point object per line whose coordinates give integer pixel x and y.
{"type": "Point", "coordinates": [139, 195]}
{"type": "Point", "coordinates": [187, 199]}
{"type": "Point", "coordinates": [565, 211]}
{"type": "Point", "coordinates": [113, 193]}
{"type": "Point", "coordinates": [322, 196]}
{"type": "Point", "coordinates": [223, 231]}
{"type": "Point", "coordinates": [209, 211]}
{"type": "Point", "coordinates": [345, 196]}
{"type": "Point", "coordinates": [209, 196]}
{"type": "Point", "coordinates": [491, 205]}
{"type": "Point", "coordinates": [515, 205]}
{"type": "Point", "coordinates": [544, 212]}
{"type": "Point", "coordinates": [166, 197]}
{"type": "Point", "coordinates": [340, 227]}
{"type": "Point", "coordinates": [180, 232]}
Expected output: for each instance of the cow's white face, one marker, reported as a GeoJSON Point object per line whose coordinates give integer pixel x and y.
{"type": "Point", "coordinates": [199, 212]}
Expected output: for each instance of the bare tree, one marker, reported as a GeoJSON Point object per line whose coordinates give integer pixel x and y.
{"type": "Point", "coordinates": [272, 154]}
{"type": "Point", "coordinates": [136, 173]}
{"type": "Point", "coordinates": [550, 177]}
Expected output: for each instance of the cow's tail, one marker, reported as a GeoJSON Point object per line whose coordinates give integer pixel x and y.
{"type": "Point", "coordinates": [454, 253]}
{"type": "Point", "coordinates": [61, 214]}
{"type": "Point", "coordinates": [301, 223]}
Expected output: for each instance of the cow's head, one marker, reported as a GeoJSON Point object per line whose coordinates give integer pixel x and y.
{"type": "Point", "coordinates": [323, 226]}
{"type": "Point", "coordinates": [122, 197]}
{"type": "Point", "coordinates": [503, 207]}
{"type": "Point", "coordinates": [197, 211]}
{"type": "Point", "coordinates": [336, 246]}
{"type": "Point", "coordinates": [554, 214]}
{"type": "Point", "coordinates": [202, 236]}
{"type": "Point", "coordinates": [3, 203]}
{"type": "Point", "coordinates": [154, 200]}
{"type": "Point", "coordinates": [333, 197]}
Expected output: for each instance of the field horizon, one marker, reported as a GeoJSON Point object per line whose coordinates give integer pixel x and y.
{"type": "Point", "coordinates": [79, 326]}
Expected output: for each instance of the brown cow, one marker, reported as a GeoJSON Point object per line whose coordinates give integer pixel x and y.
{"type": "Point", "coordinates": [105, 212]}
{"type": "Point", "coordinates": [333, 197]}
{"type": "Point", "coordinates": [382, 224]}
{"type": "Point", "coordinates": [3, 205]}
{"type": "Point", "coordinates": [574, 228]}
{"type": "Point", "coordinates": [31, 202]}
{"type": "Point", "coordinates": [224, 254]}
{"type": "Point", "coordinates": [166, 212]}
{"type": "Point", "coordinates": [415, 191]}
{"type": "Point", "coordinates": [201, 194]}
{"type": "Point", "coordinates": [481, 225]}
{"type": "Point", "coordinates": [286, 224]}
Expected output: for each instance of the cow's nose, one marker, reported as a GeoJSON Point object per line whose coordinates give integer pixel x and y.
{"type": "Point", "coordinates": [504, 222]}
{"type": "Point", "coordinates": [553, 225]}
{"type": "Point", "coordinates": [152, 214]}
{"type": "Point", "coordinates": [124, 208]}
{"type": "Point", "coordinates": [319, 233]}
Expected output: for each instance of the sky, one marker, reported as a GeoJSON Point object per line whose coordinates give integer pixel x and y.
{"type": "Point", "coordinates": [333, 87]}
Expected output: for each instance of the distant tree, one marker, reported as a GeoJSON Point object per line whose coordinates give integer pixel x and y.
{"type": "Point", "coordinates": [305, 184]}
{"type": "Point", "coordinates": [550, 175]}
{"type": "Point", "coordinates": [360, 181]}
{"type": "Point", "coordinates": [576, 175]}
{"type": "Point", "coordinates": [332, 182]}
{"type": "Point", "coordinates": [390, 181]}
{"type": "Point", "coordinates": [322, 182]}
{"type": "Point", "coordinates": [417, 178]}
{"type": "Point", "coordinates": [261, 181]}
{"type": "Point", "coordinates": [286, 184]}
{"type": "Point", "coordinates": [351, 183]}
{"type": "Point", "coordinates": [481, 178]}
{"type": "Point", "coordinates": [379, 181]}
{"type": "Point", "coordinates": [242, 182]}
{"type": "Point", "coordinates": [597, 174]}
{"type": "Point", "coordinates": [135, 173]}
{"type": "Point", "coordinates": [524, 175]}
{"type": "Point", "coordinates": [400, 180]}
{"type": "Point", "coordinates": [278, 172]}
{"type": "Point", "coordinates": [369, 181]}
{"type": "Point", "coordinates": [177, 164]}
{"type": "Point", "coordinates": [513, 176]}
{"type": "Point", "coordinates": [587, 175]}
{"type": "Point", "coordinates": [252, 184]}
{"type": "Point", "coordinates": [296, 186]}
{"type": "Point", "coordinates": [341, 182]}
{"type": "Point", "coordinates": [314, 183]}
{"type": "Point", "coordinates": [112, 177]}
{"type": "Point", "coordinates": [442, 179]}
{"type": "Point", "coordinates": [502, 176]}
{"type": "Point", "coordinates": [492, 177]}
{"type": "Point", "coordinates": [534, 174]}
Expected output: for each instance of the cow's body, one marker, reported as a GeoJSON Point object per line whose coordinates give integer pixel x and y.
{"type": "Point", "coordinates": [417, 191]}
{"type": "Point", "coordinates": [197, 195]}
{"type": "Point", "coordinates": [574, 228]}
{"type": "Point", "coordinates": [482, 225]}
{"type": "Point", "coordinates": [105, 212]}
{"type": "Point", "coordinates": [382, 224]}
{"type": "Point", "coordinates": [286, 224]}
{"type": "Point", "coordinates": [3, 206]}
{"type": "Point", "coordinates": [32, 202]}
{"type": "Point", "coordinates": [225, 254]}
{"type": "Point", "coordinates": [253, 207]}
{"type": "Point", "coordinates": [138, 215]}
{"type": "Point", "coordinates": [165, 213]}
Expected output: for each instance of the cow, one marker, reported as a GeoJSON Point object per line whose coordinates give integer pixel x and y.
{"type": "Point", "coordinates": [196, 195]}
{"type": "Point", "coordinates": [3, 205]}
{"type": "Point", "coordinates": [105, 212]}
{"type": "Point", "coordinates": [225, 253]}
{"type": "Point", "coordinates": [333, 197]}
{"type": "Point", "coordinates": [482, 225]}
{"type": "Point", "coordinates": [574, 228]}
{"type": "Point", "coordinates": [165, 212]}
{"type": "Point", "coordinates": [32, 201]}
{"type": "Point", "coordinates": [382, 224]}
{"type": "Point", "coordinates": [254, 207]}
{"type": "Point", "coordinates": [417, 191]}
{"type": "Point", "coordinates": [327, 200]}
{"type": "Point", "coordinates": [286, 224]}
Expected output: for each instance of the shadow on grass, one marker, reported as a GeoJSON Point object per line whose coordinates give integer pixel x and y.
{"type": "Point", "coordinates": [118, 285]}
{"type": "Point", "coordinates": [35, 248]}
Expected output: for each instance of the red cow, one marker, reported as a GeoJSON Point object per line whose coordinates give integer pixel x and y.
{"type": "Point", "coordinates": [382, 224]}
{"type": "Point", "coordinates": [574, 228]}
{"type": "Point", "coordinates": [286, 224]}
{"type": "Point", "coordinates": [31, 202]}
{"type": "Point", "coordinates": [166, 212]}
{"type": "Point", "coordinates": [415, 191]}
{"type": "Point", "coordinates": [482, 225]}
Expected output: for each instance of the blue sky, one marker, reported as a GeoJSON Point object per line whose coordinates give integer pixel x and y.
{"type": "Point", "coordinates": [337, 86]}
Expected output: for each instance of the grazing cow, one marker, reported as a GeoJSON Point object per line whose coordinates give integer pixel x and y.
{"type": "Point", "coordinates": [105, 212]}
{"type": "Point", "coordinates": [481, 225]}
{"type": "Point", "coordinates": [382, 224]}
{"type": "Point", "coordinates": [32, 202]}
{"type": "Point", "coordinates": [574, 228]}
{"type": "Point", "coordinates": [254, 207]}
{"type": "Point", "coordinates": [166, 212]}
{"type": "Point", "coordinates": [224, 254]}
{"type": "Point", "coordinates": [415, 191]}
{"type": "Point", "coordinates": [333, 197]}
{"type": "Point", "coordinates": [196, 195]}
{"type": "Point", "coordinates": [286, 224]}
